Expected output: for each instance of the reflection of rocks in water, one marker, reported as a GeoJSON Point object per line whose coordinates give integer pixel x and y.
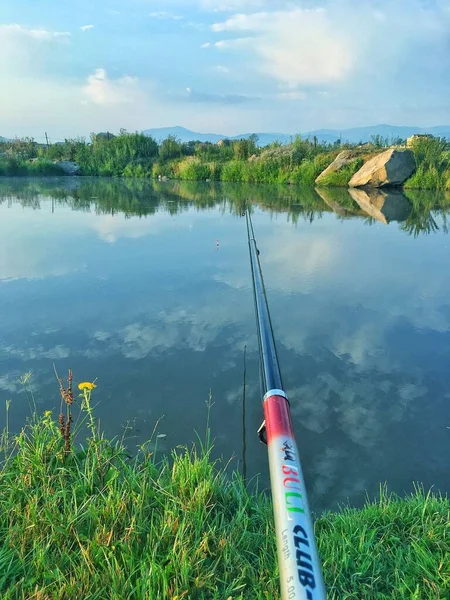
{"type": "Point", "coordinates": [386, 206]}
{"type": "Point", "coordinates": [339, 201]}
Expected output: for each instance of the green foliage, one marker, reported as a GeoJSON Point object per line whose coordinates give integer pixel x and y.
{"type": "Point", "coordinates": [136, 155]}
{"type": "Point", "coordinates": [342, 177]}
{"type": "Point", "coordinates": [243, 149]}
{"type": "Point", "coordinates": [391, 549]}
{"type": "Point", "coordinates": [233, 171]}
{"type": "Point", "coordinates": [170, 148]}
{"type": "Point", "coordinates": [309, 170]}
{"type": "Point", "coordinates": [164, 169]}
{"type": "Point", "coordinates": [98, 523]}
{"type": "Point", "coordinates": [425, 178]}
{"type": "Point", "coordinates": [206, 151]}
{"type": "Point", "coordinates": [433, 164]}
{"type": "Point", "coordinates": [193, 169]}
{"type": "Point", "coordinates": [14, 167]}
{"type": "Point", "coordinates": [62, 151]}
{"type": "Point", "coordinates": [20, 148]}
{"type": "Point", "coordinates": [378, 141]}
{"type": "Point", "coordinates": [138, 169]}
{"type": "Point", "coordinates": [215, 170]}
{"type": "Point", "coordinates": [111, 156]}
{"type": "Point", "coordinates": [431, 152]}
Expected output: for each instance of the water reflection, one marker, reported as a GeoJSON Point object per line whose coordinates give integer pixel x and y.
{"type": "Point", "coordinates": [123, 281]}
{"type": "Point", "coordinates": [142, 198]}
{"type": "Point", "coordinates": [383, 205]}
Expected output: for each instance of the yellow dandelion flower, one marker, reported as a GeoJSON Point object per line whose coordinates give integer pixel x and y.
{"type": "Point", "coordinates": [48, 413]}
{"type": "Point", "coordinates": [86, 385]}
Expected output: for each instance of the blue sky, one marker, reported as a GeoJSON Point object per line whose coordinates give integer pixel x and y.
{"type": "Point", "coordinates": [228, 66]}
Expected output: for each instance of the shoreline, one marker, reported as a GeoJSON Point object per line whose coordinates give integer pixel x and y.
{"type": "Point", "coordinates": [422, 164]}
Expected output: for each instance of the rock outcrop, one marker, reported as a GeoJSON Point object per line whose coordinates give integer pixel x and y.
{"type": "Point", "coordinates": [69, 167]}
{"type": "Point", "coordinates": [342, 160]}
{"type": "Point", "coordinates": [392, 167]}
{"type": "Point", "coordinates": [383, 205]}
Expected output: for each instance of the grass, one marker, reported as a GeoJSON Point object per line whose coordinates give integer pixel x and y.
{"type": "Point", "coordinates": [433, 165]}
{"type": "Point", "coordinates": [134, 155]}
{"type": "Point", "coordinates": [18, 167]}
{"type": "Point", "coordinates": [309, 170]}
{"type": "Point", "coordinates": [95, 523]}
{"type": "Point", "coordinates": [341, 177]}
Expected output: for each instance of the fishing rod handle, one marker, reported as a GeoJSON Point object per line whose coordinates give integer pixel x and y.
{"type": "Point", "coordinates": [300, 570]}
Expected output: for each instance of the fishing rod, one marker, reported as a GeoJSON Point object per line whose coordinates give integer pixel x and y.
{"type": "Point", "coordinates": [299, 564]}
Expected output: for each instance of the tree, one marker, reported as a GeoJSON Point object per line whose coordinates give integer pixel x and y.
{"type": "Point", "coordinates": [170, 148]}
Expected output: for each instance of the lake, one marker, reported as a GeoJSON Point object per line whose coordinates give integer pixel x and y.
{"type": "Point", "coordinates": [147, 287]}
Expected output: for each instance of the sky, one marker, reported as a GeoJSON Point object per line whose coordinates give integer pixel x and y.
{"type": "Point", "coordinates": [224, 66]}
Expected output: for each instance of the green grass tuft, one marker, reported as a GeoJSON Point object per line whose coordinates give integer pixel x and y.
{"type": "Point", "coordinates": [342, 177]}
{"type": "Point", "coordinates": [98, 524]}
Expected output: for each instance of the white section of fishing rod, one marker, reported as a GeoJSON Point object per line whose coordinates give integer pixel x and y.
{"type": "Point", "coordinates": [300, 569]}
{"type": "Point", "coordinates": [271, 393]}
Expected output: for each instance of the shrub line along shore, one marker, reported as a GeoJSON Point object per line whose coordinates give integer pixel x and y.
{"type": "Point", "coordinates": [137, 155]}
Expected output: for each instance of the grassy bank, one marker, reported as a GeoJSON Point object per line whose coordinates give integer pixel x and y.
{"type": "Point", "coordinates": [95, 523]}
{"type": "Point", "coordinates": [433, 165]}
{"type": "Point", "coordinates": [19, 167]}
{"type": "Point", "coordinates": [240, 161]}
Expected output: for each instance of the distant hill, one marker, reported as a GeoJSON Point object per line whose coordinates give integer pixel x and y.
{"type": "Point", "coordinates": [354, 135]}
{"type": "Point", "coordinates": [364, 134]}
{"type": "Point", "coordinates": [184, 135]}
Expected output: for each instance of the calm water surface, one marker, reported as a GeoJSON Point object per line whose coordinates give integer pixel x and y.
{"type": "Point", "coordinates": [124, 282]}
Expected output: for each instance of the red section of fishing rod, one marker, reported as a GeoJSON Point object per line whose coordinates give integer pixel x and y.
{"type": "Point", "coordinates": [277, 416]}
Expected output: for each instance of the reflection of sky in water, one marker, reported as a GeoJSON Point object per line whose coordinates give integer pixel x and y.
{"type": "Point", "coordinates": [160, 316]}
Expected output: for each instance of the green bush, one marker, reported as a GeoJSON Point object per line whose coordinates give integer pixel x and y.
{"type": "Point", "coordinates": [215, 170]}
{"type": "Point", "coordinates": [44, 167]}
{"type": "Point", "coordinates": [426, 178]}
{"type": "Point", "coordinates": [14, 167]}
{"type": "Point", "coordinates": [309, 170]}
{"type": "Point", "coordinates": [110, 156]}
{"type": "Point", "coordinates": [342, 177]}
{"type": "Point", "coordinates": [138, 169]}
{"type": "Point", "coordinates": [433, 164]}
{"type": "Point", "coordinates": [170, 148]}
{"type": "Point", "coordinates": [193, 169]}
{"type": "Point", "coordinates": [233, 171]}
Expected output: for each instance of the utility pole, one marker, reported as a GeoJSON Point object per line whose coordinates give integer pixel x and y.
{"type": "Point", "coordinates": [46, 138]}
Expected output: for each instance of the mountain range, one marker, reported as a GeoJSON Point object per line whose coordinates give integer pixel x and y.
{"type": "Point", "coordinates": [354, 135]}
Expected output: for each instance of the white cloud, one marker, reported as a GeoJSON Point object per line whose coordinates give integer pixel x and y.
{"type": "Point", "coordinates": [112, 228]}
{"type": "Point", "coordinates": [162, 14]}
{"type": "Point", "coordinates": [86, 27]}
{"type": "Point", "coordinates": [237, 44]}
{"type": "Point", "coordinates": [233, 5]}
{"type": "Point", "coordinates": [16, 30]}
{"type": "Point", "coordinates": [104, 91]}
{"type": "Point", "coordinates": [292, 95]}
{"type": "Point", "coordinates": [25, 51]}
{"type": "Point", "coordinates": [206, 45]}
{"type": "Point", "coordinates": [222, 69]}
{"type": "Point", "coordinates": [337, 43]}
{"type": "Point", "coordinates": [296, 47]}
